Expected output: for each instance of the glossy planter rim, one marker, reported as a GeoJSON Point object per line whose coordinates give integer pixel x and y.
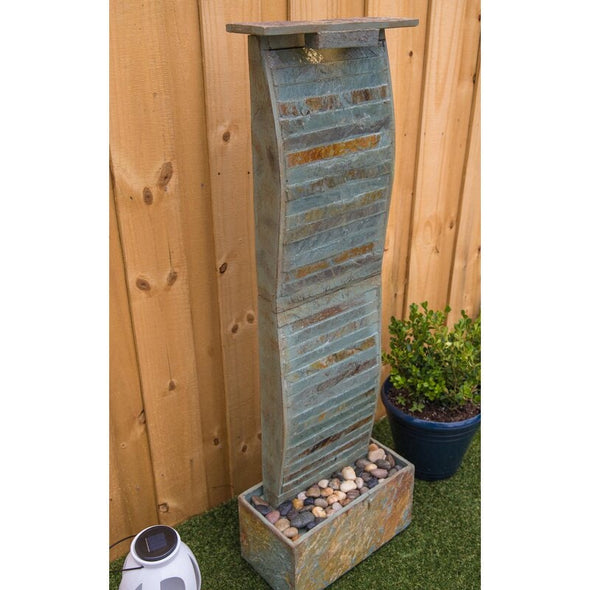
{"type": "Point", "coordinates": [424, 424]}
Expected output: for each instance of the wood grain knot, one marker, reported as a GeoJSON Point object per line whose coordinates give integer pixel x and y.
{"type": "Point", "coordinates": [223, 268]}
{"type": "Point", "coordinates": [142, 284]}
{"type": "Point", "coordinates": [226, 136]}
{"type": "Point", "coordinates": [165, 174]}
{"type": "Point", "coordinates": [163, 507]}
{"type": "Point", "coordinates": [171, 385]}
{"type": "Point", "coordinates": [148, 198]}
{"type": "Point", "coordinates": [216, 442]}
{"type": "Point", "coordinates": [172, 276]}
{"type": "Point", "coordinates": [244, 448]}
{"type": "Point", "coordinates": [250, 317]}
{"type": "Point", "coordinates": [235, 328]}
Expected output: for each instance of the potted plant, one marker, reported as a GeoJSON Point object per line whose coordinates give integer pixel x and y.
{"type": "Point", "coordinates": [433, 393]}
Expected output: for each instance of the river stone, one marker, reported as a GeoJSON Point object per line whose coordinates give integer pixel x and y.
{"type": "Point", "coordinates": [323, 483]}
{"type": "Point", "coordinates": [364, 490]}
{"type": "Point", "coordinates": [301, 496]}
{"type": "Point", "coordinates": [282, 524]}
{"type": "Point", "coordinates": [302, 520]}
{"type": "Point", "coordinates": [373, 447]}
{"type": "Point", "coordinates": [370, 467]}
{"type": "Point", "coordinates": [321, 502]}
{"type": "Point", "coordinates": [297, 504]}
{"type": "Point", "coordinates": [327, 492]}
{"type": "Point", "coordinates": [348, 485]}
{"type": "Point", "coordinates": [353, 494]}
{"type": "Point", "coordinates": [376, 454]}
{"type": "Point", "coordinates": [366, 476]}
{"type": "Point", "coordinates": [263, 509]}
{"type": "Point", "coordinates": [336, 506]}
{"type": "Point", "coordinates": [334, 483]}
{"type": "Point", "coordinates": [362, 462]}
{"type": "Point", "coordinates": [372, 482]}
{"type": "Point", "coordinates": [348, 474]}
{"type": "Point", "coordinates": [319, 512]}
{"type": "Point", "coordinates": [290, 532]}
{"type": "Point", "coordinates": [311, 525]}
{"type": "Point", "coordinates": [258, 501]}
{"type": "Point", "coordinates": [284, 507]}
{"type": "Point", "coordinates": [379, 473]}
{"type": "Point", "coordinates": [308, 502]}
{"type": "Point", "coordinates": [360, 482]}
{"type": "Point", "coordinates": [314, 491]}
{"type": "Point", "coordinates": [292, 513]}
{"type": "Point", "coordinates": [383, 464]}
{"type": "Point", "coordinates": [273, 516]}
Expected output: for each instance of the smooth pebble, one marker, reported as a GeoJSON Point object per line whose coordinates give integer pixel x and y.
{"type": "Point", "coordinates": [348, 474]}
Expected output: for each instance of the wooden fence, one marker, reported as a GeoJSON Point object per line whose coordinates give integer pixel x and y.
{"type": "Point", "coordinates": [184, 405]}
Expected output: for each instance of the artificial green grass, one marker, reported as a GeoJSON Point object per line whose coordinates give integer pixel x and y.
{"type": "Point", "coordinates": [440, 550]}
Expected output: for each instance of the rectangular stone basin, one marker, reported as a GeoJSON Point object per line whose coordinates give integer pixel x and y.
{"type": "Point", "coordinates": [323, 554]}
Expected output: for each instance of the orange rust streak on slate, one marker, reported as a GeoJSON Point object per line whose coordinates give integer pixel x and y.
{"type": "Point", "coordinates": [311, 268]}
{"type": "Point", "coordinates": [342, 354]}
{"type": "Point", "coordinates": [353, 252]}
{"type": "Point", "coordinates": [367, 94]}
{"type": "Point", "coordinates": [315, 104]}
{"type": "Point", "coordinates": [333, 150]}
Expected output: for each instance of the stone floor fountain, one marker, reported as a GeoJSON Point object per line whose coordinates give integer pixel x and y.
{"type": "Point", "coordinates": [323, 150]}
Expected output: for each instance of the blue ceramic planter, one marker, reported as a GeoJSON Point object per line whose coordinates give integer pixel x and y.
{"type": "Point", "coordinates": [435, 448]}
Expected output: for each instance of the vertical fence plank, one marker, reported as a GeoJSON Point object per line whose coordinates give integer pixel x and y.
{"type": "Point", "coordinates": [465, 282]}
{"type": "Point", "coordinates": [132, 503]}
{"type": "Point", "coordinates": [147, 184]}
{"type": "Point", "coordinates": [406, 57]}
{"type": "Point", "coordinates": [275, 10]}
{"type": "Point", "coordinates": [453, 39]}
{"type": "Point", "coordinates": [312, 9]}
{"type": "Point", "coordinates": [226, 75]}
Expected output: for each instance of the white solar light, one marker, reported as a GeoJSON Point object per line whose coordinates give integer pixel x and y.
{"type": "Point", "coordinates": [159, 560]}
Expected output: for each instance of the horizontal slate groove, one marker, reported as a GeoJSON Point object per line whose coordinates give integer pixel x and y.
{"type": "Point", "coordinates": [354, 255]}
{"type": "Point", "coordinates": [361, 267]}
{"type": "Point", "coordinates": [323, 87]}
{"type": "Point", "coordinates": [357, 384]}
{"type": "Point", "coordinates": [364, 218]}
{"type": "Point", "coordinates": [327, 412]}
{"type": "Point", "coordinates": [307, 449]}
{"type": "Point", "coordinates": [326, 170]}
{"type": "Point", "coordinates": [333, 150]}
{"type": "Point", "coordinates": [331, 248]}
{"type": "Point", "coordinates": [315, 387]}
{"type": "Point", "coordinates": [321, 137]}
{"type": "Point", "coordinates": [332, 359]}
{"type": "Point", "coordinates": [328, 457]}
{"type": "Point", "coordinates": [377, 109]}
{"type": "Point", "coordinates": [312, 187]}
{"type": "Point", "coordinates": [331, 209]}
{"type": "Point", "coordinates": [333, 331]}
{"type": "Point", "coordinates": [357, 394]}
{"type": "Point", "coordinates": [327, 313]}
{"type": "Point", "coordinates": [337, 423]}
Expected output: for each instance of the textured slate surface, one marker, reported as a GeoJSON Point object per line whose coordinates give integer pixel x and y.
{"type": "Point", "coordinates": [341, 24]}
{"type": "Point", "coordinates": [323, 554]}
{"type": "Point", "coordinates": [322, 129]}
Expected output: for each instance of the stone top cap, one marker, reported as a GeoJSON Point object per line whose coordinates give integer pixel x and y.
{"type": "Point", "coordinates": [268, 29]}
